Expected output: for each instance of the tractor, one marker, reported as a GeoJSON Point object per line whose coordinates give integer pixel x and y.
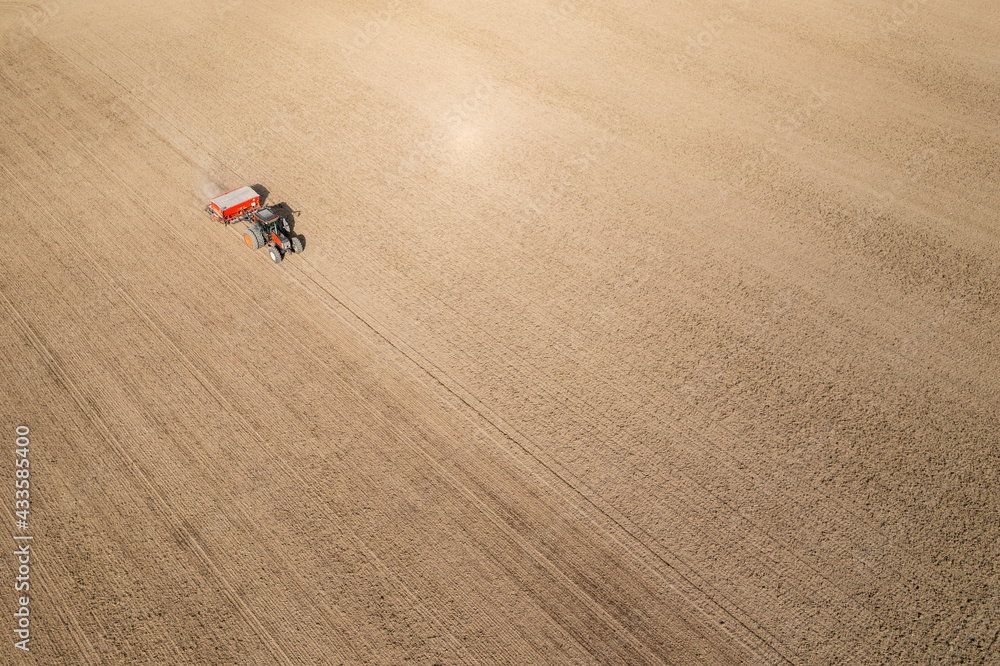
{"type": "Point", "coordinates": [266, 227]}
{"type": "Point", "coordinates": [269, 228]}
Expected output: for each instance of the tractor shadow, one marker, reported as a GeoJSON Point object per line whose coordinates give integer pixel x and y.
{"type": "Point", "coordinates": [282, 209]}
{"type": "Point", "coordinates": [262, 192]}
{"type": "Point", "coordinates": [285, 211]}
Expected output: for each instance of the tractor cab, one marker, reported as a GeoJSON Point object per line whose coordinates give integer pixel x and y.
{"type": "Point", "coordinates": [264, 215]}
{"type": "Point", "coordinates": [269, 221]}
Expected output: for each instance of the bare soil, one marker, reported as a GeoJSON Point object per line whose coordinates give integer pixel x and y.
{"type": "Point", "coordinates": [625, 333]}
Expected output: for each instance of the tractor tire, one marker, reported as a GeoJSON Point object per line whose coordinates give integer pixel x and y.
{"type": "Point", "coordinates": [296, 244]}
{"type": "Point", "coordinates": [275, 254]}
{"type": "Point", "coordinates": [253, 238]}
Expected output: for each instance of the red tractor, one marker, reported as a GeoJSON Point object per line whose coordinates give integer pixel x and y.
{"type": "Point", "coordinates": [266, 226]}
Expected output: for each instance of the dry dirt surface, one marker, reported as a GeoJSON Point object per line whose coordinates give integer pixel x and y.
{"type": "Point", "coordinates": [625, 332]}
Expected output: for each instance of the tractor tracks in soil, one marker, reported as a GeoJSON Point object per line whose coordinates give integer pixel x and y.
{"type": "Point", "coordinates": [871, 533]}
{"type": "Point", "coordinates": [582, 498]}
{"type": "Point", "coordinates": [367, 320]}
{"type": "Point", "coordinates": [550, 474]}
{"type": "Point", "coordinates": [460, 488]}
{"type": "Point", "coordinates": [228, 407]}
{"type": "Point", "coordinates": [655, 426]}
{"type": "Point", "coordinates": [251, 616]}
{"type": "Point", "coordinates": [169, 515]}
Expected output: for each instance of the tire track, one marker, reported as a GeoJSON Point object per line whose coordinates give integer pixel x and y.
{"type": "Point", "coordinates": [742, 464]}
{"type": "Point", "coordinates": [154, 214]}
{"type": "Point", "coordinates": [582, 491]}
{"type": "Point", "coordinates": [223, 276]}
{"type": "Point", "coordinates": [411, 357]}
{"type": "Point", "coordinates": [175, 523]}
{"type": "Point", "coordinates": [268, 454]}
{"type": "Point", "coordinates": [565, 398]}
{"type": "Point", "coordinates": [226, 405]}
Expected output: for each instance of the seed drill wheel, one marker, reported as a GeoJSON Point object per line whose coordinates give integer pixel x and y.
{"type": "Point", "coordinates": [296, 245]}
{"type": "Point", "coordinates": [275, 255]}
{"type": "Point", "coordinates": [253, 238]}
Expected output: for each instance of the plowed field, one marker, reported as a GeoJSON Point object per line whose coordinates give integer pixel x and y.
{"type": "Point", "coordinates": [624, 333]}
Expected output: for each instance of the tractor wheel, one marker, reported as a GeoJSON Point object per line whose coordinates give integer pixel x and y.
{"type": "Point", "coordinates": [253, 238]}
{"type": "Point", "coordinates": [296, 244]}
{"type": "Point", "coordinates": [275, 255]}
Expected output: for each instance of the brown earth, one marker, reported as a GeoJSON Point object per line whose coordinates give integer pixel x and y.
{"type": "Point", "coordinates": [625, 333]}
